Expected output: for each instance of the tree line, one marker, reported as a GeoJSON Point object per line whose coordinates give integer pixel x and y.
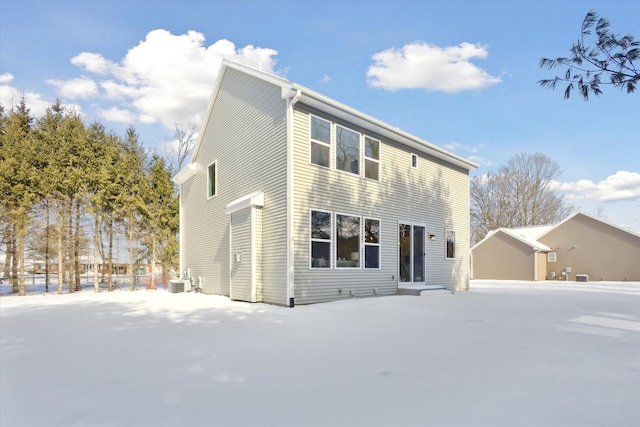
{"type": "Point", "coordinates": [69, 188]}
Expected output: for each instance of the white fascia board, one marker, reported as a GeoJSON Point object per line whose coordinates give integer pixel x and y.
{"type": "Point", "coordinates": [252, 200]}
{"type": "Point", "coordinates": [185, 174]}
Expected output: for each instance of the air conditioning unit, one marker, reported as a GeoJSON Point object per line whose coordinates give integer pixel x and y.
{"type": "Point", "coordinates": [176, 286]}
{"type": "Point", "coordinates": [582, 277]}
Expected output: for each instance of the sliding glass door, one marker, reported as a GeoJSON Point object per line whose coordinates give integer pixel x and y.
{"type": "Point", "coordinates": [411, 240]}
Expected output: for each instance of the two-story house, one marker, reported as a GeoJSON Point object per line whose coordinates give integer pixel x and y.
{"type": "Point", "coordinates": [291, 197]}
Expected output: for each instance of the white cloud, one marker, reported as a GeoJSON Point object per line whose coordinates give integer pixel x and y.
{"type": "Point", "coordinates": [6, 78]}
{"type": "Point", "coordinates": [468, 151]}
{"type": "Point", "coordinates": [11, 96]}
{"type": "Point", "coordinates": [80, 88]}
{"type": "Point", "coordinates": [325, 79]}
{"type": "Point", "coordinates": [423, 66]}
{"type": "Point", "coordinates": [92, 62]}
{"type": "Point", "coordinates": [166, 78]}
{"type": "Point", "coordinates": [456, 146]}
{"type": "Point", "coordinates": [115, 114]}
{"type": "Point", "coordinates": [623, 185]}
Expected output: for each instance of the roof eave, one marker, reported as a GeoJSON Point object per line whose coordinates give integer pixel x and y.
{"type": "Point", "coordinates": [342, 111]}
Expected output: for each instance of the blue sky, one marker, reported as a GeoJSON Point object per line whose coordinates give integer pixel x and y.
{"type": "Point", "coordinates": [459, 74]}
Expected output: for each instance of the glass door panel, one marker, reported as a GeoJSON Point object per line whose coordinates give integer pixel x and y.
{"type": "Point", "coordinates": [418, 254]}
{"type": "Point", "coordinates": [411, 241]}
{"type": "Point", "coordinates": [404, 252]}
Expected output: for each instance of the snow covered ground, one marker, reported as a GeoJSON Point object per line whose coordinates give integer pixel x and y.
{"type": "Point", "coordinates": [503, 354]}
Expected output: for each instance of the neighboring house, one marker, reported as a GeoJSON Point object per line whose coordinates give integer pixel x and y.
{"type": "Point", "coordinates": [292, 197]}
{"type": "Point", "coordinates": [581, 247]}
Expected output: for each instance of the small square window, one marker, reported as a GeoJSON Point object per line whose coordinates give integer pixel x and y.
{"type": "Point", "coordinates": [551, 257]}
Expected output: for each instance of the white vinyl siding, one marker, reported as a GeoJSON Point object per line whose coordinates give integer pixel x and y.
{"type": "Point", "coordinates": [434, 193]}
{"type": "Point", "coordinates": [246, 131]}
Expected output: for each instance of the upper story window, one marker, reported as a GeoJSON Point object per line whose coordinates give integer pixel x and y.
{"type": "Point", "coordinates": [371, 158]}
{"type": "Point", "coordinates": [347, 150]}
{"type": "Point", "coordinates": [211, 180]}
{"type": "Point", "coordinates": [414, 160]}
{"type": "Point", "coordinates": [320, 142]}
{"type": "Point", "coordinates": [351, 149]}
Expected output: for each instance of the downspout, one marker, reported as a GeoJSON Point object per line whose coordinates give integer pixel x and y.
{"type": "Point", "coordinates": [181, 276]}
{"type": "Point", "coordinates": [535, 264]}
{"type": "Point", "coordinates": [292, 99]}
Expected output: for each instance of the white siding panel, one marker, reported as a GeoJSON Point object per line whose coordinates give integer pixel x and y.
{"type": "Point", "coordinates": [435, 194]}
{"type": "Point", "coordinates": [246, 135]}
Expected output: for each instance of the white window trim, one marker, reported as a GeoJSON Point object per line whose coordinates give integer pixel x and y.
{"type": "Point", "coordinates": [335, 238]}
{"type": "Point", "coordinates": [360, 151]}
{"type": "Point", "coordinates": [455, 238]}
{"type": "Point", "coordinates": [371, 159]}
{"type": "Point", "coordinates": [412, 243]}
{"type": "Point", "coordinates": [365, 244]}
{"type": "Point", "coordinates": [363, 158]}
{"type": "Point", "coordinates": [215, 180]}
{"type": "Point", "coordinates": [315, 141]}
{"type": "Point", "coordinates": [551, 255]}
{"type": "Point", "coordinates": [330, 240]}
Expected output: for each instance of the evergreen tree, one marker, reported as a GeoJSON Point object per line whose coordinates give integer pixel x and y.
{"type": "Point", "coordinates": [19, 180]}
{"type": "Point", "coordinates": [160, 214]}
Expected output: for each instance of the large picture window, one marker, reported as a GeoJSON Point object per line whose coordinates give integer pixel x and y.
{"type": "Point", "coordinates": [320, 142]}
{"type": "Point", "coordinates": [320, 239]}
{"type": "Point", "coordinates": [347, 150]}
{"type": "Point", "coordinates": [371, 243]}
{"type": "Point", "coordinates": [371, 158]}
{"type": "Point", "coordinates": [451, 244]}
{"type": "Point", "coordinates": [211, 180]}
{"type": "Point", "coordinates": [347, 241]}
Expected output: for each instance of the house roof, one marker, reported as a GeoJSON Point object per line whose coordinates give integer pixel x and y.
{"type": "Point", "coordinates": [527, 236]}
{"type": "Point", "coordinates": [594, 218]}
{"type": "Point", "coordinates": [531, 235]}
{"type": "Point", "coordinates": [330, 106]}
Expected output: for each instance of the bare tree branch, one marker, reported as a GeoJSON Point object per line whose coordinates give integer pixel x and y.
{"type": "Point", "coordinates": [609, 55]}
